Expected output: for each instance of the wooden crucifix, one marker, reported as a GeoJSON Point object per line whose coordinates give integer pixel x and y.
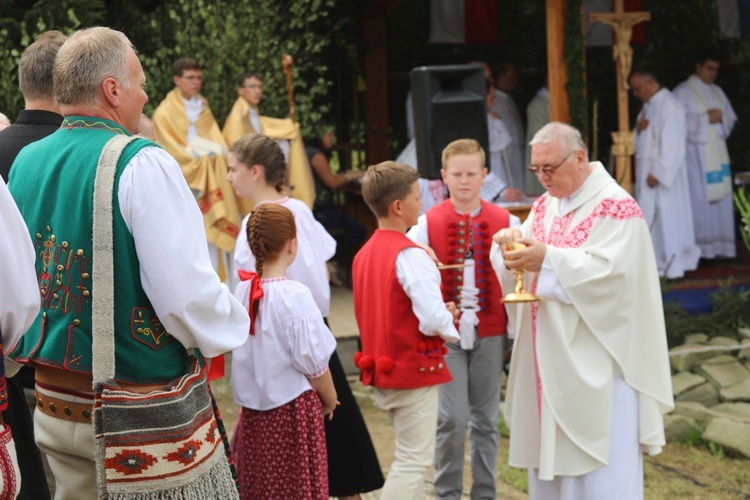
{"type": "Point", "coordinates": [622, 23]}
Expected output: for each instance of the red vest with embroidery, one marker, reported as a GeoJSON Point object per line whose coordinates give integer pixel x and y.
{"type": "Point", "coordinates": [395, 354]}
{"type": "Point", "coordinates": [451, 236]}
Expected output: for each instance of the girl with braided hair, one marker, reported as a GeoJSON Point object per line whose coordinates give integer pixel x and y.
{"type": "Point", "coordinates": [280, 376]}
{"type": "Point", "coordinates": [257, 171]}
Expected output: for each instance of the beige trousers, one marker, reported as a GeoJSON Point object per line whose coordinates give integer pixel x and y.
{"type": "Point", "coordinates": [69, 447]}
{"type": "Point", "coordinates": [413, 413]}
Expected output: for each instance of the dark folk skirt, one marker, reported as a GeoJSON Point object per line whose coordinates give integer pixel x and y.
{"type": "Point", "coordinates": [353, 465]}
{"type": "Point", "coordinates": [281, 453]}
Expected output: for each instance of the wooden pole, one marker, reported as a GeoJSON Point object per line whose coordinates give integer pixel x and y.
{"type": "Point", "coordinates": [376, 77]}
{"type": "Point", "coordinates": [288, 64]}
{"type": "Point", "coordinates": [556, 67]}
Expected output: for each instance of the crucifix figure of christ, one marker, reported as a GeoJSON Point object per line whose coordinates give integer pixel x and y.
{"type": "Point", "coordinates": [622, 23]}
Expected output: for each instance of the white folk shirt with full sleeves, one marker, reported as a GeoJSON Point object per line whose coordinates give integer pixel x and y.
{"type": "Point", "coordinates": [290, 344]}
{"type": "Point", "coordinates": [19, 292]}
{"type": "Point", "coordinates": [176, 272]}
{"type": "Point", "coordinates": [420, 279]}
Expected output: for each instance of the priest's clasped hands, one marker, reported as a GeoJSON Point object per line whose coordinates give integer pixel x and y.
{"type": "Point", "coordinates": [527, 259]}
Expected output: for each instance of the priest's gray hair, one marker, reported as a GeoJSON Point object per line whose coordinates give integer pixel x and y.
{"type": "Point", "coordinates": [86, 59]}
{"type": "Point", "coordinates": [568, 137]}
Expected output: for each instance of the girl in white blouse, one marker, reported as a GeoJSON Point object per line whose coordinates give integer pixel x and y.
{"type": "Point", "coordinates": [280, 377]}
{"type": "Point", "coordinates": [258, 172]}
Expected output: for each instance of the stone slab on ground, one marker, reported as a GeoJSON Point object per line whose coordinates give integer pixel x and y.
{"type": "Point", "coordinates": [694, 410]}
{"type": "Point", "coordinates": [706, 394]}
{"type": "Point", "coordinates": [684, 381]}
{"type": "Point", "coordinates": [723, 371]}
{"type": "Point", "coordinates": [723, 342]}
{"type": "Point", "coordinates": [736, 392]}
{"type": "Point", "coordinates": [695, 338]}
{"type": "Point", "coordinates": [734, 410]}
{"type": "Point", "coordinates": [683, 361]}
{"type": "Point", "coordinates": [733, 436]}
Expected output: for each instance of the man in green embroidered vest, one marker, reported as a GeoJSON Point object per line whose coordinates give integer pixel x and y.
{"type": "Point", "coordinates": [167, 296]}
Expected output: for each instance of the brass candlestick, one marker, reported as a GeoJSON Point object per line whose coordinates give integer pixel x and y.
{"type": "Point", "coordinates": [519, 294]}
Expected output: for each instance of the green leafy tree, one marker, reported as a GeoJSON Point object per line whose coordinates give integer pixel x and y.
{"type": "Point", "coordinates": [229, 38]}
{"type": "Point", "coordinates": [19, 27]}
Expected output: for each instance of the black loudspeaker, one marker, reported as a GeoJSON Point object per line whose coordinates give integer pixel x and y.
{"type": "Point", "coordinates": [449, 103]}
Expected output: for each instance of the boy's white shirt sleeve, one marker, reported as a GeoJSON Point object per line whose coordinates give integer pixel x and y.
{"type": "Point", "coordinates": [418, 233]}
{"type": "Point", "coordinates": [420, 279]}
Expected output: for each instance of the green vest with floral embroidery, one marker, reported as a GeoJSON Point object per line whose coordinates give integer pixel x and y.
{"type": "Point", "coordinates": [52, 181]}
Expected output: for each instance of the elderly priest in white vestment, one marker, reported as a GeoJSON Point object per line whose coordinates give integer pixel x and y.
{"type": "Point", "coordinates": [710, 121]}
{"type": "Point", "coordinates": [589, 378]}
{"type": "Point", "coordinates": [661, 186]}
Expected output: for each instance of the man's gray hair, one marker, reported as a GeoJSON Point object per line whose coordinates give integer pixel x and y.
{"type": "Point", "coordinates": [35, 66]}
{"type": "Point", "coordinates": [568, 137]}
{"type": "Point", "coordinates": [88, 58]}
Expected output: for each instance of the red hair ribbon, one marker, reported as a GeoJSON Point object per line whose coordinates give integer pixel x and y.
{"type": "Point", "coordinates": [256, 293]}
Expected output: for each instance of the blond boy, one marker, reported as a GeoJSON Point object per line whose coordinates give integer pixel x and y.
{"type": "Point", "coordinates": [460, 231]}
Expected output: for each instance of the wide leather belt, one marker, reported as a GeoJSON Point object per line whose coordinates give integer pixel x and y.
{"type": "Point", "coordinates": [65, 410]}
{"type": "Point", "coordinates": [56, 377]}
{"type": "Point", "coordinates": [83, 382]}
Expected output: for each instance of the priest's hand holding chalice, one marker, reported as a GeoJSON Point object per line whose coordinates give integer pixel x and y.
{"type": "Point", "coordinates": [519, 255]}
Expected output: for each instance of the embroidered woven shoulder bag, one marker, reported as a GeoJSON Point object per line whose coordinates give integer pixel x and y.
{"type": "Point", "coordinates": [161, 445]}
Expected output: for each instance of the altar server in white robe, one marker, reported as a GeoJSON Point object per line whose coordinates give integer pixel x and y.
{"type": "Point", "coordinates": [589, 379]}
{"type": "Point", "coordinates": [505, 107]}
{"type": "Point", "coordinates": [661, 175]}
{"type": "Point", "coordinates": [710, 121]}
{"type": "Point", "coordinates": [499, 183]}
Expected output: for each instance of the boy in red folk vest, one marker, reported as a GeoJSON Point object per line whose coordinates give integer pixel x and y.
{"type": "Point", "coordinates": [403, 323]}
{"type": "Point", "coordinates": [460, 231]}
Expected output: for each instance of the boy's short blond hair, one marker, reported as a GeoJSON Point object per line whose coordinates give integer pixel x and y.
{"type": "Point", "coordinates": [386, 182]}
{"type": "Point", "coordinates": [462, 147]}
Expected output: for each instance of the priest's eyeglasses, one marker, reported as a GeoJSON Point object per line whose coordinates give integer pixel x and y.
{"type": "Point", "coordinates": [546, 168]}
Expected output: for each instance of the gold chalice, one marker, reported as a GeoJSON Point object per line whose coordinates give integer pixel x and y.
{"type": "Point", "coordinates": [519, 294]}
